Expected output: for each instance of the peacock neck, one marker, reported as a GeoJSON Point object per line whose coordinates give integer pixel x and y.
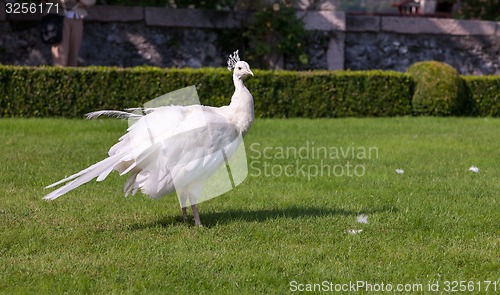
{"type": "Point", "coordinates": [241, 93]}
{"type": "Point", "coordinates": [241, 106]}
{"type": "Point", "coordinates": [238, 83]}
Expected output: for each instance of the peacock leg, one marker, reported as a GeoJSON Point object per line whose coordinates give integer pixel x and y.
{"type": "Point", "coordinates": [197, 221]}
{"type": "Point", "coordinates": [184, 215]}
{"type": "Point", "coordinates": [192, 200]}
{"type": "Point", "coordinates": [184, 209]}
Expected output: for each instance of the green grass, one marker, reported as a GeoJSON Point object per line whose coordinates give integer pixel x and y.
{"type": "Point", "coordinates": [436, 222]}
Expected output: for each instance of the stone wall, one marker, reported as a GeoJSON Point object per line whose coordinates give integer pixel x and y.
{"type": "Point", "coordinates": [132, 36]}
{"type": "Point", "coordinates": [475, 55]}
{"type": "Point", "coordinates": [395, 43]}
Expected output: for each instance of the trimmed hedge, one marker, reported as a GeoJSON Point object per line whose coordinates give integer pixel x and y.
{"type": "Point", "coordinates": [439, 89]}
{"type": "Point", "coordinates": [72, 92]}
{"type": "Point", "coordinates": [484, 94]}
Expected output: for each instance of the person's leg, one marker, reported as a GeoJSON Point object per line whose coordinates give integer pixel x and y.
{"type": "Point", "coordinates": [60, 51]}
{"type": "Point", "coordinates": [75, 41]}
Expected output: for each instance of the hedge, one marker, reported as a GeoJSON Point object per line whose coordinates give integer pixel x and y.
{"type": "Point", "coordinates": [439, 90]}
{"type": "Point", "coordinates": [72, 92]}
{"type": "Point", "coordinates": [484, 94]}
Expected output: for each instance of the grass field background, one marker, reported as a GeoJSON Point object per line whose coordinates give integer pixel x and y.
{"type": "Point", "coordinates": [436, 222]}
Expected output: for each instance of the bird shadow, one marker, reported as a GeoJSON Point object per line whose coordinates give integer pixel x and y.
{"type": "Point", "coordinates": [210, 219]}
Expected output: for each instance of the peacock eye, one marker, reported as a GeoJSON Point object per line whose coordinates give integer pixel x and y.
{"type": "Point", "coordinates": [239, 68]}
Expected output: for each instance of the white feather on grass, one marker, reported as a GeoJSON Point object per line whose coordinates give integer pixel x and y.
{"type": "Point", "coordinates": [362, 218]}
{"type": "Point", "coordinates": [353, 231]}
{"type": "Point", "coordinates": [474, 169]}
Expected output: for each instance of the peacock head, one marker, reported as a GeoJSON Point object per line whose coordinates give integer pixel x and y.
{"type": "Point", "coordinates": [241, 68]}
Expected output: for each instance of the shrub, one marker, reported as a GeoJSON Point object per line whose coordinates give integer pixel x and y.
{"type": "Point", "coordinates": [484, 94]}
{"type": "Point", "coordinates": [439, 90]}
{"type": "Point", "coordinates": [72, 92]}
{"type": "Point", "coordinates": [478, 9]}
{"type": "Point", "coordinates": [275, 32]}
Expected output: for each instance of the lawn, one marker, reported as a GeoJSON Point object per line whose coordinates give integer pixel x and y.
{"type": "Point", "coordinates": [291, 224]}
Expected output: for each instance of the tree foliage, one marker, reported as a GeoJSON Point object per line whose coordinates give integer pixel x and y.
{"type": "Point", "coordinates": [275, 33]}
{"type": "Point", "coordinates": [479, 9]}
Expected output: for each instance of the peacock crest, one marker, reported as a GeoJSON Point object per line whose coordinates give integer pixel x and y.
{"type": "Point", "coordinates": [232, 60]}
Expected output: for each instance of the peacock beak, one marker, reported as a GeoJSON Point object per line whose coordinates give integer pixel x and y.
{"type": "Point", "coordinates": [250, 72]}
